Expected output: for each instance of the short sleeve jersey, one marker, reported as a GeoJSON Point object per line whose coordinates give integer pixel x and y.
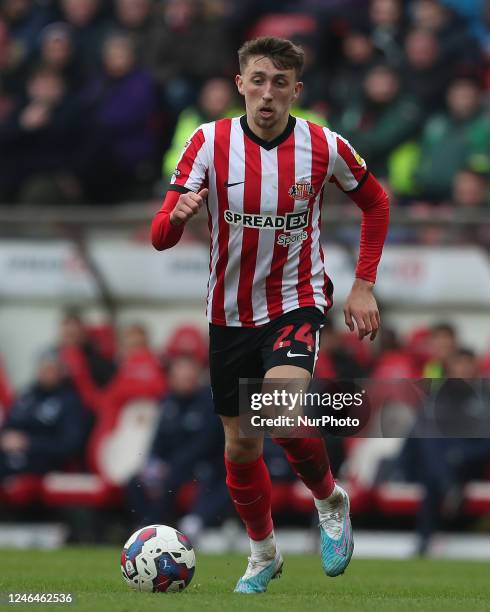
{"type": "Point", "coordinates": [264, 214]}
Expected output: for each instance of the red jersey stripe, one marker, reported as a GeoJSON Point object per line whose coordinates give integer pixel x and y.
{"type": "Point", "coordinates": [221, 162]}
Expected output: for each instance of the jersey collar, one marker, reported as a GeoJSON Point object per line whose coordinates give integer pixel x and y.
{"type": "Point", "coordinates": [268, 144]}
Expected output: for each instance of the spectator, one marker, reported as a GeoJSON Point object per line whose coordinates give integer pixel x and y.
{"type": "Point", "coordinates": [177, 63]}
{"type": "Point", "coordinates": [89, 29]}
{"type": "Point", "coordinates": [139, 373]}
{"type": "Point", "coordinates": [442, 347]}
{"type": "Point", "coordinates": [312, 105]}
{"type": "Point", "coordinates": [470, 198]}
{"type": "Point", "coordinates": [334, 359]}
{"type": "Point", "coordinates": [358, 54]}
{"type": "Point", "coordinates": [393, 362]}
{"type": "Point", "coordinates": [24, 19]}
{"type": "Point", "coordinates": [7, 99]}
{"type": "Point", "coordinates": [471, 190]}
{"type": "Point", "coordinates": [382, 119]}
{"type": "Point", "coordinates": [187, 447]}
{"type": "Point", "coordinates": [58, 53]}
{"type": "Point", "coordinates": [90, 370]}
{"type": "Point", "coordinates": [47, 425]}
{"type": "Point", "coordinates": [443, 464]}
{"type": "Point", "coordinates": [425, 73]}
{"type": "Point", "coordinates": [216, 100]}
{"type": "Point", "coordinates": [13, 67]}
{"type": "Point", "coordinates": [187, 340]}
{"type": "Point", "coordinates": [458, 46]}
{"type": "Point", "coordinates": [143, 21]}
{"type": "Point", "coordinates": [39, 136]}
{"type": "Point", "coordinates": [387, 23]}
{"type": "Point", "coordinates": [122, 102]}
{"type": "Point", "coordinates": [454, 140]}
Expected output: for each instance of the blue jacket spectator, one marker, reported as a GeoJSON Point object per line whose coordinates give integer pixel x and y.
{"type": "Point", "coordinates": [47, 425]}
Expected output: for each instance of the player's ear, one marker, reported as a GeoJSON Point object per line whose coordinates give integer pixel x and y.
{"type": "Point", "coordinates": [239, 83]}
{"type": "Point", "coordinates": [298, 88]}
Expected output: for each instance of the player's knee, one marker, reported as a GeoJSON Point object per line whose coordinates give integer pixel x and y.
{"type": "Point", "coordinates": [243, 450]}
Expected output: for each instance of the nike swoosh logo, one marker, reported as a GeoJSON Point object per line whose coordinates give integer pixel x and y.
{"type": "Point", "coordinates": [296, 354]}
{"type": "Point", "coordinates": [233, 184]}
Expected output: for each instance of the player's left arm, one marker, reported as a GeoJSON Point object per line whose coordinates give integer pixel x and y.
{"type": "Point", "coordinates": [352, 176]}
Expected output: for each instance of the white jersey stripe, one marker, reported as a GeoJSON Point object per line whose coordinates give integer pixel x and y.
{"type": "Point", "coordinates": [235, 203]}
{"type": "Point", "coordinates": [265, 250]}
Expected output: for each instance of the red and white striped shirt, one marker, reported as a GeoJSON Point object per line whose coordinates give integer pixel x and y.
{"type": "Point", "coordinates": [264, 215]}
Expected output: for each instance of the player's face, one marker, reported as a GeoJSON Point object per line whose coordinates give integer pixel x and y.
{"type": "Point", "coordinates": [269, 93]}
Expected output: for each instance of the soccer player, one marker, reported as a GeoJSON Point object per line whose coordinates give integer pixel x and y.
{"type": "Point", "coordinates": [262, 178]}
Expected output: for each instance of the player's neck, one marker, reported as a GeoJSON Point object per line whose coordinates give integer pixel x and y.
{"type": "Point", "coordinates": [268, 134]}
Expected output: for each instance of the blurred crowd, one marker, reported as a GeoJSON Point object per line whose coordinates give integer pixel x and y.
{"type": "Point", "coordinates": [84, 381]}
{"type": "Point", "coordinates": [97, 98]}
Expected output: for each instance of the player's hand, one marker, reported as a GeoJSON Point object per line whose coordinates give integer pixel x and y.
{"type": "Point", "coordinates": [187, 206]}
{"type": "Point", "coordinates": [361, 309]}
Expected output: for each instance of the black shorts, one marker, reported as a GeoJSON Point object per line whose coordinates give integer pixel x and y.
{"type": "Point", "coordinates": [249, 352]}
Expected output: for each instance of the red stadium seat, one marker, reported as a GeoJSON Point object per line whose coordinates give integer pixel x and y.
{"type": "Point", "coordinates": [6, 394]}
{"type": "Point", "coordinates": [398, 498]}
{"type": "Point", "coordinates": [477, 498]}
{"type": "Point", "coordinates": [284, 25]}
{"type": "Point", "coordinates": [21, 490]}
{"type": "Point", "coordinates": [64, 489]}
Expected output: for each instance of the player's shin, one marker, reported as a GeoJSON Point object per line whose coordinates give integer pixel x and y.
{"type": "Point", "coordinates": [250, 489]}
{"type": "Point", "coordinates": [309, 459]}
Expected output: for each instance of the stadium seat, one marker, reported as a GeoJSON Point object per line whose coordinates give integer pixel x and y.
{"type": "Point", "coordinates": [21, 490]}
{"type": "Point", "coordinates": [119, 450]}
{"type": "Point", "coordinates": [395, 498]}
{"type": "Point", "coordinates": [62, 489]}
{"type": "Point", "coordinates": [119, 428]}
{"type": "Point", "coordinates": [284, 25]}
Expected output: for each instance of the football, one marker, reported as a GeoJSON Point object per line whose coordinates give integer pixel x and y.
{"type": "Point", "coordinates": [159, 559]}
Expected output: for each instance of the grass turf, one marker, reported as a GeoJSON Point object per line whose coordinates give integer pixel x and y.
{"type": "Point", "coordinates": [93, 575]}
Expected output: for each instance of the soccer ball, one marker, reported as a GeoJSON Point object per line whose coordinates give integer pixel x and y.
{"type": "Point", "coordinates": [158, 559]}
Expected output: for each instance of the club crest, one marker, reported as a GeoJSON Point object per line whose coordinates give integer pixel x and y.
{"type": "Point", "coordinates": [302, 190]}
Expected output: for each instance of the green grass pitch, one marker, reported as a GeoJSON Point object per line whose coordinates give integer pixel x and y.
{"type": "Point", "coordinates": [93, 575]}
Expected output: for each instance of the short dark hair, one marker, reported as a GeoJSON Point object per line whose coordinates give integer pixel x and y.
{"type": "Point", "coordinates": [283, 53]}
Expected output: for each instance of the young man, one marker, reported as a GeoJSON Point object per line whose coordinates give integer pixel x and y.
{"type": "Point", "coordinates": [263, 177]}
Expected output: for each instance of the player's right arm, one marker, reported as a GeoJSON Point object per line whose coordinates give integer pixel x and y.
{"type": "Point", "coordinates": [168, 224]}
{"type": "Point", "coordinates": [186, 194]}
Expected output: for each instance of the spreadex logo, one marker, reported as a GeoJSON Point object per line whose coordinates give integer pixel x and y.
{"type": "Point", "coordinates": [289, 223]}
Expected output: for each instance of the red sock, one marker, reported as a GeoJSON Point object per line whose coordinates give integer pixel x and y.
{"type": "Point", "coordinates": [250, 489]}
{"type": "Point", "coordinates": [309, 459]}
